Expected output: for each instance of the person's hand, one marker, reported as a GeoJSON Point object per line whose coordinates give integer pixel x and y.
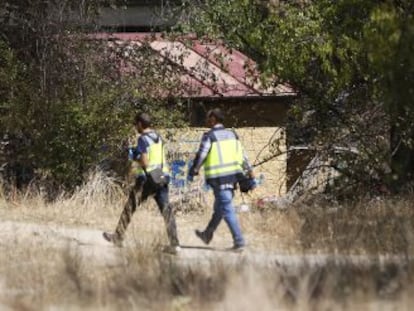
{"type": "Point", "coordinates": [254, 183]}
{"type": "Point", "coordinates": [191, 173]}
{"type": "Point", "coordinates": [131, 153]}
{"type": "Point", "coordinates": [190, 178]}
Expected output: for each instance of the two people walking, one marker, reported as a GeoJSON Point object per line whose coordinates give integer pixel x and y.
{"type": "Point", "coordinates": [224, 161]}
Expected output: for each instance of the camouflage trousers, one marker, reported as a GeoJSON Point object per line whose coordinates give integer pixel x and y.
{"type": "Point", "coordinates": [138, 194]}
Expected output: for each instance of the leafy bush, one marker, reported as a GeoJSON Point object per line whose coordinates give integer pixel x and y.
{"type": "Point", "coordinates": [352, 64]}
{"type": "Point", "coordinates": [68, 103]}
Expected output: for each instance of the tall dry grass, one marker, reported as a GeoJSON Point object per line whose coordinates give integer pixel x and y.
{"type": "Point", "coordinates": [43, 278]}
{"type": "Point", "coordinates": [98, 198]}
{"type": "Point", "coordinates": [36, 274]}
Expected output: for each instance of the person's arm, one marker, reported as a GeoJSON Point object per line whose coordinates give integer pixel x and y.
{"type": "Point", "coordinates": [142, 149]}
{"type": "Point", "coordinates": [201, 155]}
{"type": "Point", "coordinates": [143, 160]}
{"type": "Point", "coordinates": [246, 164]}
{"type": "Point", "coordinates": [247, 167]}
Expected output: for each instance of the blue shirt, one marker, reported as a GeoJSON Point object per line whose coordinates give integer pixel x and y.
{"type": "Point", "coordinates": [143, 143]}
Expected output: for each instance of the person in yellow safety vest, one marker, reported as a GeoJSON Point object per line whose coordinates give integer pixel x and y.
{"type": "Point", "coordinates": [224, 162]}
{"type": "Point", "coordinates": [150, 155]}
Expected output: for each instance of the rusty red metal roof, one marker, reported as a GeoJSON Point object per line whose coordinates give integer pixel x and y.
{"type": "Point", "coordinates": [209, 68]}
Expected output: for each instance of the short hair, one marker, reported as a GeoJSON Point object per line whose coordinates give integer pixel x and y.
{"type": "Point", "coordinates": [217, 113]}
{"type": "Point", "coordinates": [144, 118]}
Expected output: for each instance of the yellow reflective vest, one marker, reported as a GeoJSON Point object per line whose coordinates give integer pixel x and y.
{"type": "Point", "coordinates": [156, 155]}
{"type": "Point", "coordinates": [224, 161]}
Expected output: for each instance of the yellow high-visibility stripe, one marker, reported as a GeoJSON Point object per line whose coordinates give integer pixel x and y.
{"type": "Point", "coordinates": [156, 158]}
{"type": "Point", "coordinates": [225, 158]}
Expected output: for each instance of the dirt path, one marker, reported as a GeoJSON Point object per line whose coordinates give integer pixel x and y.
{"type": "Point", "coordinates": [89, 245]}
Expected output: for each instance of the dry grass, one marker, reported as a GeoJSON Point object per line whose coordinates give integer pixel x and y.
{"type": "Point", "coordinates": [46, 278]}
{"type": "Point", "coordinates": [369, 226]}
{"type": "Point", "coordinates": [36, 274]}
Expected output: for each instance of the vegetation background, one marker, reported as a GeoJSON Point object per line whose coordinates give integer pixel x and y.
{"type": "Point", "coordinates": [352, 63]}
{"type": "Point", "coordinates": [66, 101]}
{"type": "Point", "coordinates": [65, 111]}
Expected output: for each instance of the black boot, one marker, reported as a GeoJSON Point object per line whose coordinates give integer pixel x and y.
{"type": "Point", "coordinates": [204, 236]}
{"type": "Point", "coordinates": [113, 238]}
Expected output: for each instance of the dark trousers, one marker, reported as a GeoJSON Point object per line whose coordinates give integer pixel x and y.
{"type": "Point", "coordinates": [138, 194]}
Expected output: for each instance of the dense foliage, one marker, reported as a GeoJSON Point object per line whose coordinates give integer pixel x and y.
{"type": "Point", "coordinates": [66, 101]}
{"type": "Point", "coordinates": [352, 62]}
